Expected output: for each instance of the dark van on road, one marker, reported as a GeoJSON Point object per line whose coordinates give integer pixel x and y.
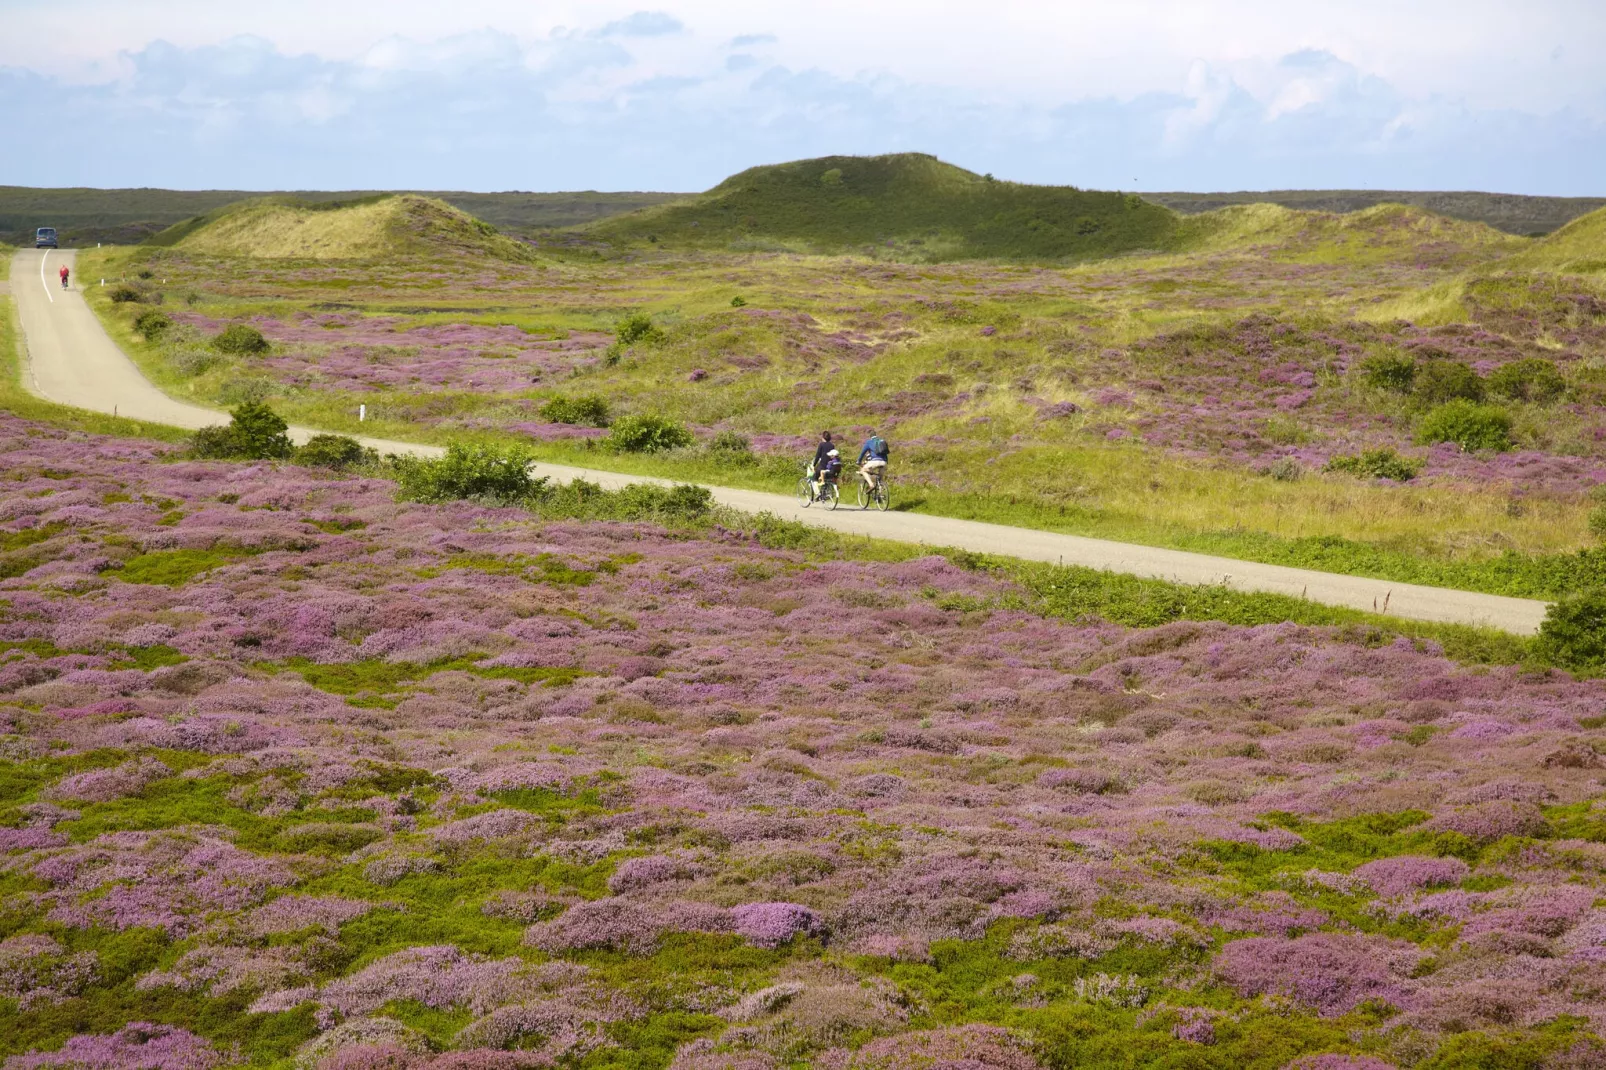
{"type": "Point", "coordinates": [45, 238]}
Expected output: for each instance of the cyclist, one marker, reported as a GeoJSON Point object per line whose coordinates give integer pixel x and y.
{"type": "Point", "coordinates": [821, 451]}
{"type": "Point", "coordinates": [873, 459]}
{"type": "Point", "coordinates": [827, 474]}
{"type": "Point", "coordinates": [64, 274]}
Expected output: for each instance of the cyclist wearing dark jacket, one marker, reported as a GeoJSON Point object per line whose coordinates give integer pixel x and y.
{"type": "Point", "coordinates": [823, 449]}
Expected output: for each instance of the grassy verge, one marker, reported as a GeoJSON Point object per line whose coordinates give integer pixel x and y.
{"type": "Point", "coordinates": [15, 399]}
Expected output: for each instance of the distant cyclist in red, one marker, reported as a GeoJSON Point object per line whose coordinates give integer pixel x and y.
{"type": "Point", "coordinates": [64, 274]}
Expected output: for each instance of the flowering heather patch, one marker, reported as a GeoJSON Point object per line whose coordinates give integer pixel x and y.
{"type": "Point", "coordinates": [365, 784]}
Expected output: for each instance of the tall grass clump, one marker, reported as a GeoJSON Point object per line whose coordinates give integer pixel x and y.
{"type": "Point", "coordinates": [496, 473]}
{"type": "Point", "coordinates": [254, 432]}
{"type": "Point", "coordinates": [1467, 424]}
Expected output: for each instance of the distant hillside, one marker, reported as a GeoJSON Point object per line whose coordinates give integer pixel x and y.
{"type": "Point", "coordinates": [385, 225]}
{"type": "Point", "coordinates": [1512, 213]}
{"type": "Point", "coordinates": [923, 208]}
{"type": "Point", "coordinates": [1578, 248]}
{"type": "Point", "coordinates": [127, 216]}
{"type": "Point", "coordinates": [1380, 231]}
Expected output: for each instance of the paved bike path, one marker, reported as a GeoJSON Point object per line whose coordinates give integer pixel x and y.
{"type": "Point", "coordinates": [71, 360]}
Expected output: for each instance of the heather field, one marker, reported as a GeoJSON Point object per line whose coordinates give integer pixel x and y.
{"type": "Point", "coordinates": [298, 775]}
{"type": "Point", "coordinates": [1388, 392]}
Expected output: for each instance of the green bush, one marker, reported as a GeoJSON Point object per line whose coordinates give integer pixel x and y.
{"type": "Point", "coordinates": [638, 327]}
{"type": "Point", "coordinates": [1439, 381]}
{"type": "Point", "coordinates": [589, 410]}
{"type": "Point", "coordinates": [738, 302]}
{"type": "Point", "coordinates": [647, 433]}
{"type": "Point", "coordinates": [730, 442]}
{"type": "Point", "coordinates": [333, 451]}
{"type": "Point", "coordinates": [1389, 372]}
{"type": "Point", "coordinates": [123, 295]}
{"type": "Point", "coordinates": [495, 472]}
{"type": "Point", "coordinates": [1597, 522]}
{"type": "Point", "coordinates": [240, 340]}
{"type": "Point", "coordinates": [1377, 464]}
{"type": "Point", "coordinates": [254, 432]}
{"type": "Point", "coordinates": [1574, 631]}
{"type": "Point", "coordinates": [1469, 425]}
{"type": "Point", "coordinates": [1533, 380]}
{"type": "Point", "coordinates": [152, 324]}
{"type": "Point", "coordinates": [582, 500]}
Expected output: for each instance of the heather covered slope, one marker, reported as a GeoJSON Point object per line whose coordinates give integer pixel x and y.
{"type": "Point", "coordinates": [915, 204]}
{"type": "Point", "coordinates": [293, 770]}
{"type": "Point", "coordinates": [384, 226]}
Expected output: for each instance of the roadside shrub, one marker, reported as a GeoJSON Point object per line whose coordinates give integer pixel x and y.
{"type": "Point", "coordinates": [1534, 380]}
{"type": "Point", "coordinates": [638, 327]}
{"type": "Point", "coordinates": [1468, 424]}
{"type": "Point", "coordinates": [1377, 464]}
{"type": "Point", "coordinates": [254, 432]}
{"type": "Point", "coordinates": [1574, 631]}
{"type": "Point", "coordinates": [123, 295]}
{"type": "Point", "coordinates": [501, 473]}
{"type": "Point", "coordinates": [240, 340]}
{"type": "Point", "coordinates": [589, 410]}
{"type": "Point", "coordinates": [333, 451]}
{"type": "Point", "coordinates": [1439, 381]}
{"type": "Point", "coordinates": [647, 433]}
{"type": "Point", "coordinates": [1389, 371]}
{"type": "Point", "coordinates": [580, 499]}
{"type": "Point", "coordinates": [152, 324]}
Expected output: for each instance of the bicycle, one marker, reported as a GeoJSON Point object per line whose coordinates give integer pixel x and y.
{"type": "Point", "coordinates": [876, 493]}
{"type": "Point", "coordinates": [830, 495]}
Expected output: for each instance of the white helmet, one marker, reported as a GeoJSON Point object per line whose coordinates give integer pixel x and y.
{"type": "Point", "coordinates": [832, 453]}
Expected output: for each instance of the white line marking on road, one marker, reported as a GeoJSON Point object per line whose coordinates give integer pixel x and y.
{"type": "Point", "coordinates": [42, 281]}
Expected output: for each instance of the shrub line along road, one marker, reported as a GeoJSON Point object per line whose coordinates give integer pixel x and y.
{"type": "Point", "coordinates": [71, 360]}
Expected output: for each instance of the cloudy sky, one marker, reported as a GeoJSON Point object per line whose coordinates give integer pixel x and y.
{"type": "Point", "coordinates": [608, 94]}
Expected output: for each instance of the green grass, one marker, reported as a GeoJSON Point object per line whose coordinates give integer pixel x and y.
{"type": "Point", "coordinates": [922, 207]}
{"type": "Point", "coordinates": [174, 568]}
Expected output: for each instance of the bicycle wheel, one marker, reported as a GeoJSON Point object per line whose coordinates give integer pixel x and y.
{"type": "Point", "coordinates": [833, 497]}
{"type": "Point", "coordinates": [864, 494]}
{"type": "Point", "coordinates": [883, 497]}
{"type": "Point", "coordinates": [805, 493]}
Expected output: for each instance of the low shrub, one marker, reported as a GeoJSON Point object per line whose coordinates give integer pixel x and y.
{"type": "Point", "coordinates": [1285, 470]}
{"type": "Point", "coordinates": [588, 410]}
{"type": "Point", "coordinates": [638, 327]}
{"type": "Point", "coordinates": [240, 339]}
{"type": "Point", "coordinates": [730, 442]}
{"type": "Point", "coordinates": [1574, 631]}
{"type": "Point", "coordinates": [1468, 424]}
{"type": "Point", "coordinates": [1377, 464]}
{"type": "Point", "coordinates": [123, 295]}
{"type": "Point", "coordinates": [1534, 380]}
{"type": "Point", "coordinates": [738, 302]}
{"type": "Point", "coordinates": [500, 473]}
{"type": "Point", "coordinates": [152, 324]}
{"type": "Point", "coordinates": [647, 433]}
{"type": "Point", "coordinates": [1597, 522]}
{"type": "Point", "coordinates": [333, 451]}
{"type": "Point", "coordinates": [581, 499]}
{"type": "Point", "coordinates": [1439, 381]}
{"type": "Point", "coordinates": [1389, 371]}
{"type": "Point", "coordinates": [254, 432]}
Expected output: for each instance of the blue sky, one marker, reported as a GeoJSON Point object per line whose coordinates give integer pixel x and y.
{"type": "Point", "coordinates": [525, 94]}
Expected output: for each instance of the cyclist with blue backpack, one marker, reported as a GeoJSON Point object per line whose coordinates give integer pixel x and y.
{"type": "Point", "coordinates": [873, 460]}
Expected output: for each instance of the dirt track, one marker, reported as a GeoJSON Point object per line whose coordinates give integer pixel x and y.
{"type": "Point", "coordinates": [71, 360]}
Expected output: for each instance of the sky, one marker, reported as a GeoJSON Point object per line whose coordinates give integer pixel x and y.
{"type": "Point", "coordinates": [607, 94]}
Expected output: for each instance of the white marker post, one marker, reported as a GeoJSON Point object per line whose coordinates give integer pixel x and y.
{"type": "Point", "coordinates": [362, 413]}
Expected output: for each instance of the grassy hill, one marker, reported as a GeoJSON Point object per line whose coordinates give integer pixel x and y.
{"type": "Point", "coordinates": [1512, 213]}
{"type": "Point", "coordinates": [387, 225]}
{"type": "Point", "coordinates": [1381, 231]}
{"type": "Point", "coordinates": [916, 204]}
{"type": "Point", "coordinates": [128, 216]}
{"type": "Point", "coordinates": [1578, 248]}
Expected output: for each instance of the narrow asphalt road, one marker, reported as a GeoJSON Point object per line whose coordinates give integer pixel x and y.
{"type": "Point", "coordinates": [71, 360]}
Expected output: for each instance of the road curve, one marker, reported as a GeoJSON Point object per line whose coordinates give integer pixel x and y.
{"type": "Point", "coordinates": [71, 360]}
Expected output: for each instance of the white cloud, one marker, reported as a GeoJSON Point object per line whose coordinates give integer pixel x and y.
{"type": "Point", "coordinates": [497, 94]}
